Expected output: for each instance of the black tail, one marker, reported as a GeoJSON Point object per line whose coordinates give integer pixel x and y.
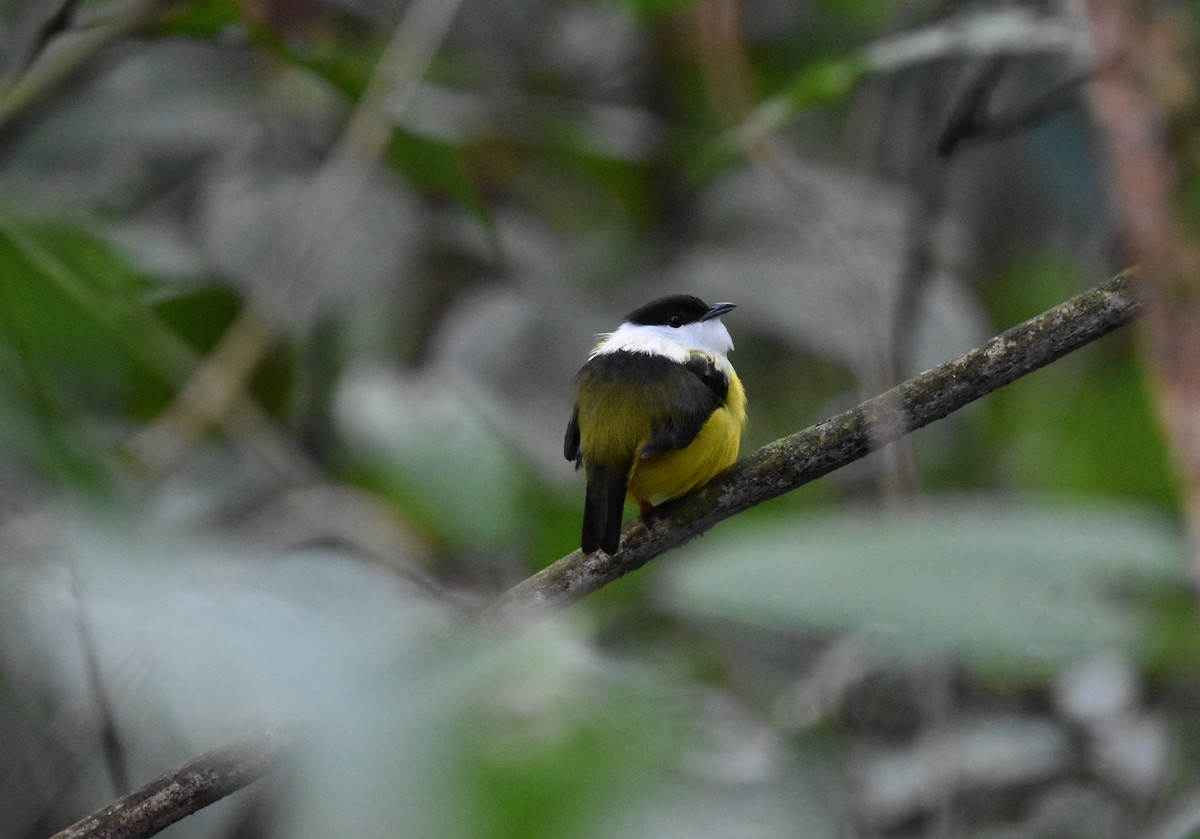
{"type": "Point", "coordinates": [603, 508]}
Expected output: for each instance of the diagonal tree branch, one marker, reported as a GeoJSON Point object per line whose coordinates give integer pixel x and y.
{"type": "Point", "coordinates": [177, 794]}
{"type": "Point", "coordinates": [793, 461]}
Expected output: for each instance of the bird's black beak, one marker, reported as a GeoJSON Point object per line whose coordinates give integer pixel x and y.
{"type": "Point", "coordinates": [718, 309]}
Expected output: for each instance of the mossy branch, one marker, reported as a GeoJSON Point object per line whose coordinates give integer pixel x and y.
{"type": "Point", "coordinates": [795, 460]}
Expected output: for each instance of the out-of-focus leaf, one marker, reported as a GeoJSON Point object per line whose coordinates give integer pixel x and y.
{"type": "Point", "coordinates": [437, 168]}
{"type": "Point", "coordinates": [1004, 585]}
{"type": "Point", "coordinates": [863, 14]}
{"type": "Point", "coordinates": [1085, 400]}
{"type": "Point", "coordinates": [56, 316]}
{"type": "Point", "coordinates": [821, 83]}
{"type": "Point", "coordinates": [1093, 429]}
{"type": "Point", "coordinates": [1175, 649]}
{"type": "Point", "coordinates": [347, 68]}
{"type": "Point", "coordinates": [204, 19]}
{"type": "Point", "coordinates": [547, 759]}
{"type": "Point", "coordinates": [496, 738]}
{"type": "Point", "coordinates": [73, 340]}
{"type": "Point", "coordinates": [455, 732]}
{"type": "Point", "coordinates": [80, 308]}
{"type": "Point", "coordinates": [199, 317]}
{"type": "Point", "coordinates": [435, 453]}
{"type": "Point", "coordinates": [657, 8]}
{"type": "Point", "coordinates": [82, 340]}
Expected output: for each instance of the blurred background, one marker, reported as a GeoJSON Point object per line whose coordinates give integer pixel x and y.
{"type": "Point", "coordinates": [292, 293]}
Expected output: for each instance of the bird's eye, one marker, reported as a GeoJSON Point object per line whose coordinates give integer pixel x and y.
{"type": "Point", "coordinates": [675, 321]}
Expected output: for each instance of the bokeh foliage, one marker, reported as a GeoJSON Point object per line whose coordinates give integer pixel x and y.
{"type": "Point", "coordinates": [1005, 588]}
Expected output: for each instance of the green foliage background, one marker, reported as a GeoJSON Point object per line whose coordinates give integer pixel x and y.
{"type": "Point", "coordinates": [995, 640]}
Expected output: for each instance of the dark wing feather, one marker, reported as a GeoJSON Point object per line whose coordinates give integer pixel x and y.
{"type": "Point", "coordinates": [698, 389]}
{"type": "Point", "coordinates": [715, 380]}
{"type": "Point", "coordinates": [571, 450]}
{"type": "Point", "coordinates": [675, 432]}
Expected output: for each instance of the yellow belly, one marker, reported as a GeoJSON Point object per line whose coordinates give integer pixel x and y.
{"type": "Point", "coordinates": [677, 472]}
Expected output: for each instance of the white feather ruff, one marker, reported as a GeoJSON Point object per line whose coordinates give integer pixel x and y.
{"type": "Point", "coordinates": [676, 343]}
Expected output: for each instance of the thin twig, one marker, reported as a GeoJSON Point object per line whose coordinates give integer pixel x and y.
{"type": "Point", "coordinates": [110, 736]}
{"type": "Point", "coordinates": [176, 795]}
{"type": "Point", "coordinates": [968, 109]}
{"type": "Point", "coordinates": [54, 25]}
{"type": "Point", "coordinates": [789, 463]}
{"type": "Point", "coordinates": [971, 122]}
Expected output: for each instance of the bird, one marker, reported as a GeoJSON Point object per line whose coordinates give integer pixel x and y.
{"type": "Point", "coordinates": [659, 411]}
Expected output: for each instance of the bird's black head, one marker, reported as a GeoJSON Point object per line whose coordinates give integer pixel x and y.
{"type": "Point", "coordinates": [676, 310]}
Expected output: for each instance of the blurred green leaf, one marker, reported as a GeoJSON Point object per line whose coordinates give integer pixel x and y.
{"type": "Point", "coordinates": [491, 735]}
{"type": "Point", "coordinates": [437, 168]}
{"type": "Point", "coordinates": [551, 758]}
{"type": "Point", "coordinates": [651, 9]}
{"type": "Point", "coordinates": [81, 342]}
{"type": "Point", "coordinates": [1175, 647]}
{"type": "Point", "coordinates": [424, 444]}
{"type": "Point", "coordinates": [565, 130]}
{"type": "Point", "coordinates": [67, 320]}
{"type": "Point", "coordinates": [1084, 425]}
{"type": "Point", "coordinates": [825, 81]}
{"type": "Point", "coordinates": [867, 15]}
{"type": "Point", "coordinates": [347, 66]}
{"type": "Point", "coordinates": [820, 83]}
{"type": "Point", "coordinates": [85, 318]}
{"type": "Point", "coordinates": [1005, 585]}
{"type": "Point", "coordinates": [57, 298]}
{"type": "Point", "coordinates": [199, 317]}
{"type": "Point", "coordinates": [202, 19]}
{"type": "Point", "coordinates": [78, 306]}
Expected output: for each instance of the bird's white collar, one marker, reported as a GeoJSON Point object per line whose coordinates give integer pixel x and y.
{"type": "Point", "coordinates": [676, 343]}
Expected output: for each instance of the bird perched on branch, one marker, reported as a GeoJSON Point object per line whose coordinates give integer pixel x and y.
{"type": "Point", "coordinates": [658, 412]}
